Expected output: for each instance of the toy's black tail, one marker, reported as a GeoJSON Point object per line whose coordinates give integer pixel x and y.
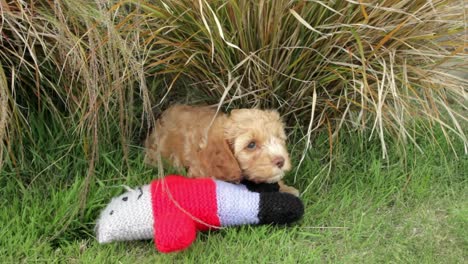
{"type": "Point", "coordinates": [279, 208]}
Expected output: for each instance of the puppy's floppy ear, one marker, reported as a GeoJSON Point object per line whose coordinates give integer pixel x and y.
{"type": "Point", "coordinates": [217, 160]}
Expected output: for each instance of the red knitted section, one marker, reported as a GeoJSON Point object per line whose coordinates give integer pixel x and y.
{"type": "Point", "coordinates": [174, 229]}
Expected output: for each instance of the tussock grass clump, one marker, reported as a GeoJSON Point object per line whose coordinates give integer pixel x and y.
{"type": "Point", "coordinates": [373, 66]}
{"type": "Point", "coordinates": [70, 59]}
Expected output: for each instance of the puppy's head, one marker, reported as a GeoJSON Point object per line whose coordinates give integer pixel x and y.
{"type": "Point", "coordinates": [258, 141]}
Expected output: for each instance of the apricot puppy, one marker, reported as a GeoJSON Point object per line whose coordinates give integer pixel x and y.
{"type": "Point", "coordinates": [247, 143]}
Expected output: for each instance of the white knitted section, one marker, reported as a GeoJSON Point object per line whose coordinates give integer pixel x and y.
{"type": "Point", "coordinates": [236, 204]}
{"type": "Point", "coordinates": [127, 217]}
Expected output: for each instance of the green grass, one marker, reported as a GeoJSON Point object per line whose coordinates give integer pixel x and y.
{"type": "Point", "coordinates": [362, 209]}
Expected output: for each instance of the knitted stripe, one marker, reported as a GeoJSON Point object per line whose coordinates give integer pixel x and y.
{"type": "Point", "coordinates": [236, 205]}
{"type": "Point", "coordinates": [180, 207]}
{"type": "Point", "coordinates": [279, 208]}
{"type": "Point", "coordinates": [260, 187]}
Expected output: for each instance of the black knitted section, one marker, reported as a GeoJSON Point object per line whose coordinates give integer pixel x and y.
{"type": "Point", "coordinates": [279, 208]}
{"type": "Point", "coordinates": [261, 187]}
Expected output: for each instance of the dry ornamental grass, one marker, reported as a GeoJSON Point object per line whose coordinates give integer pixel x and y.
{"type": "Point", "coordinates": [373, 66]}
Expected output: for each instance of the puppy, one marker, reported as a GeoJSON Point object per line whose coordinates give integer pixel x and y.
{"type": "Point", "coordinates": [247, 143]}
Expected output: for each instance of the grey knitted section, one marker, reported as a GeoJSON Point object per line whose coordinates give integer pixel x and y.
{"type": "Point", "coordinates": [236, 204]}
{"type": "Point", "coordinates": [127, 217]}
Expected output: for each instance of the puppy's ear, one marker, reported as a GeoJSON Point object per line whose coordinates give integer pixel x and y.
{"type": "Point", "coordinates": [217, 160]}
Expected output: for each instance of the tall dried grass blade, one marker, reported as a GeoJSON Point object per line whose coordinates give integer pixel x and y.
{"type": "Point", "coordinates": [4, 112]}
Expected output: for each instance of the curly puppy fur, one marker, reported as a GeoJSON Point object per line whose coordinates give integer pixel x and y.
{"type": "Point", "coordinates": [247, 143]}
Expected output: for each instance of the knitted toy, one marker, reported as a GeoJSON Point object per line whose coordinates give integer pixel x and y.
{"type": "Point", "coordinates": [172, 209]}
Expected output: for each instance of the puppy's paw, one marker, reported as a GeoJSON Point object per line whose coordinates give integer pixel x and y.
{"type": "Point", "coordinates": [288, 189]}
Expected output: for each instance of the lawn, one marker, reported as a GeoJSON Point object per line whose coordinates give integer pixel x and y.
{"type": "Point", "coordinates": [359, 208]}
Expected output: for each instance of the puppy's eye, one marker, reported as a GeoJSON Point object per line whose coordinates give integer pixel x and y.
{"type": "Point", "coordinates": [252, 145]}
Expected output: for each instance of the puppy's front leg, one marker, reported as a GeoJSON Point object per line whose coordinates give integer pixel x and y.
{"type": "Point", "coordinates": [288, 189]}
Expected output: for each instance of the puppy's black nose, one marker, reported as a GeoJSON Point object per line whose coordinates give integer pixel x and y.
{"type": "Point", "coordinates": [279, 162]}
